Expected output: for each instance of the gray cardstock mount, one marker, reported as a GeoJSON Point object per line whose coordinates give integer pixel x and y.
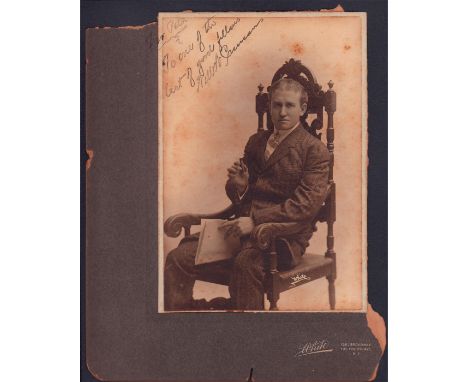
{"type": "Point", "coordinates": [126, 339]}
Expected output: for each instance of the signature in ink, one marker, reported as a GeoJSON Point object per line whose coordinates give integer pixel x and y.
{"type": "Point", "coordinates": [315, 347]}
{"type": "Point", "coordinates": [226, 51]}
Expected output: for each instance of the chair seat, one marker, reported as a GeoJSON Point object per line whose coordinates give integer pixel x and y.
{"type": "Point", "coordinates": [311, 267]}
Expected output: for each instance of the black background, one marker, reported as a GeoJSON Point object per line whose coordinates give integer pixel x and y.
{"type": "Point", "coordinates": [125, 13]}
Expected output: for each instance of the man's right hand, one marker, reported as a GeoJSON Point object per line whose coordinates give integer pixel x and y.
{"type": "Point", "coordinates": [238, 175]}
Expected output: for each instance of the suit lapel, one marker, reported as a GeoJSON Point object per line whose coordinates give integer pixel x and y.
{"type": "Point", "coordinates": [283, 147]}
{"type": "Point", "coordinates": [261, 150]}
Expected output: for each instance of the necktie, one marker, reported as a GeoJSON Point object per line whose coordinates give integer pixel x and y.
{"type": "Point", "coordinates": [272, 144]}
{"type": "Point", "coordinates": [276, 141]}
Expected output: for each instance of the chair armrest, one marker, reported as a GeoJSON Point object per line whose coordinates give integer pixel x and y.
{"type": "Point", "coordinates": [265, 234]}
{"type": "Point", "coordinates": [174, 224]}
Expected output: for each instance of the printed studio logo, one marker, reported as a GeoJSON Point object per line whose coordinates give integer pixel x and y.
{"type": "Point", "coordinates": [298, 278]}
{"type": "Point", "coordinates": [315, 347]}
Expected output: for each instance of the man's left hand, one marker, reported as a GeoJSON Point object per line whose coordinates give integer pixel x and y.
{"type": "Point", "coordinates": [237, 227]}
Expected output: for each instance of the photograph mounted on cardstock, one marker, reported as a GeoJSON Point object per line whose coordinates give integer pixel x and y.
{"type": "Point", "coordinates": [262, 162]}
{"type": "Point", "coordinates": [226, 199]}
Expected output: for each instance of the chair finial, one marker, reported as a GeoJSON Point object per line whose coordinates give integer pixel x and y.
{"type": "Point", "coordinates": [260, 87]}
{"type": "Point", "coordinates": [330, 84]}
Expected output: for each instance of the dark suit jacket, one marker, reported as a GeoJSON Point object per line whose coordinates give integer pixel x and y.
{"type": "Point", "coordinates": [290, 186]}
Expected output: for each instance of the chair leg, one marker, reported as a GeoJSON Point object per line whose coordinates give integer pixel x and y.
{"type": "Point", "coordinates": [272, 291]}
{"type": "Point", "coordinates": [271, 275]}
{"type": "Point", "coordinates": [273, 301]}
{"type": "Point", "coordinates": [331, 291]}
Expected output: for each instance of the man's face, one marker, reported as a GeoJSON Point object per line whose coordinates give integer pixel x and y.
{"type": "Point", "coordinates": [286, 108]}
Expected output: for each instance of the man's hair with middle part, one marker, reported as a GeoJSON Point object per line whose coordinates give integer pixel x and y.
{"type": "Point", "coordinates": [289, 83]}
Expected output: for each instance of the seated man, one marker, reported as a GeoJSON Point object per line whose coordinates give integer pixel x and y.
{"type": "Point", "coordinates": [282, 177]}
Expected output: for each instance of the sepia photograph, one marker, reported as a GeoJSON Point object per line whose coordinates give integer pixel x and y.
{"type": "Point", "coordinates": [262, 167]}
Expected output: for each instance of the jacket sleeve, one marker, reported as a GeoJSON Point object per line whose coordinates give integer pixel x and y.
{"type": "Point", "coordinates": [230, 188]}
{"type": "Point", "coordinates": [309, 195]}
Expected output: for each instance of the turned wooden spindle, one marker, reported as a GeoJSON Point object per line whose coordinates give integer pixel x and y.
{"type": "Point", "coordinates": [261, 106]}
{"type": "Point", "coordinates": [272, 267]}
{"type": "Point", "coordinates": [330, 108]}
{"type": "Point", "coordinates": [269, 122]}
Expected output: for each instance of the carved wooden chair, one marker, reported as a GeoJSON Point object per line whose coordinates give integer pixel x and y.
{"type": "Point", "coordinates": [312, 266]}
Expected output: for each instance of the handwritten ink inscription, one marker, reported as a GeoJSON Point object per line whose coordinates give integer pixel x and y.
{"type": "Point", "coordinates": [173, 30]}
{"type": "Point", "coordinates": [192, 59]}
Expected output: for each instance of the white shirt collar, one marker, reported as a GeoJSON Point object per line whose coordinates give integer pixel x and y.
{"type": "Point", "coordinates": [284, 133]}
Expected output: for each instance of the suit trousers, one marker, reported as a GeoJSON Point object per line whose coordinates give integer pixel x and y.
{"type": "Point", "coordinates": [246, 276]}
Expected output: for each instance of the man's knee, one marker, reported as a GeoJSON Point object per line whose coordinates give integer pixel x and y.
{"type": "Point", "coordinates": [248, 261]}
{"type": "Point", "coordinates": [182, 257]}
{"type": "Point", "coordinates": [174, 255]}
